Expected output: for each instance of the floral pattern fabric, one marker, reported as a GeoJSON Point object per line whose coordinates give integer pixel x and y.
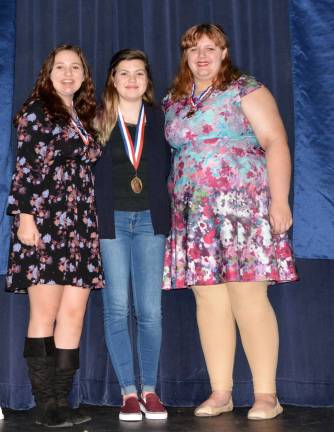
{"type": "Point", "coordinates": [53, 182]}
{"type": "Point", "coordinates": [220, 196]}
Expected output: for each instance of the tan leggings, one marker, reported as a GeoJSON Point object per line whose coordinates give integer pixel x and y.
{"type": "Point", "coordinates": [219, 309]}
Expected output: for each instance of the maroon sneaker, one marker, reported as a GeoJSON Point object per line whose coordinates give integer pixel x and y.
{"type": "Point", "coordinates": [152, 407]}
{"type": "Point", "coordinates": [130, 410]}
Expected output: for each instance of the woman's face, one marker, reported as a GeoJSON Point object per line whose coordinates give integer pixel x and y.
{"type": "Point", "coordinates": [67, 75]}
{"type": "Point", "coordinates": [204, 60]}
{"type": "Point", "coordinates": [130, 80]}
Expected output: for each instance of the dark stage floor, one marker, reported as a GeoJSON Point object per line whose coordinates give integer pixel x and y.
{"type": "Point", "coordinates": [105, 419]}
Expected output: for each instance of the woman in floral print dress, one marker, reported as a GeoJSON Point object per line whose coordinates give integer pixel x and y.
{"type": "Point", "coordinates": [230, 214]}
{"type": "Point", "coordinates": [54, 252]}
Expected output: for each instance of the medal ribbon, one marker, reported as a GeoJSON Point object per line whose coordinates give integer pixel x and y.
{"type": "Point", "coordinates": [80, 129]}
{"type": "Point", "coordinates": [133, 150]}
{"type": "Point", "coordinates": [204, 95]}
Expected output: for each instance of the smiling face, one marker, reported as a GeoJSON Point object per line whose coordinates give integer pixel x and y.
{"type": "Point", "coordinates": [204, 60]}
{"type": "Point", "coordinates": [67, 75]}
{"type": "Point", "coordinates": [130, 80]}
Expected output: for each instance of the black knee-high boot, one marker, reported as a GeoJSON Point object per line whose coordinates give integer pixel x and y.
{"type": "Point", "coordinates": [40, 357]}
{"type": "Point", "coordinates": [67, 362]}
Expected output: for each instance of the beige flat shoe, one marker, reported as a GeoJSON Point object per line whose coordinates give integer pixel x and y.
{"type": "Point", "coordinates": [209, 411]}
{"type": "Point", "coordinates": [265, 414]}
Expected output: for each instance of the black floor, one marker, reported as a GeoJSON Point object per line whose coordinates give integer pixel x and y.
{"type": "Point", "coordinates": [105, 419]}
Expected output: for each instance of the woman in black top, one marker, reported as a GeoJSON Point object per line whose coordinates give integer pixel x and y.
{"type": "Point", "coordinates": [54, 253]}
{"type": "Point", "coordinates": [133, 212]}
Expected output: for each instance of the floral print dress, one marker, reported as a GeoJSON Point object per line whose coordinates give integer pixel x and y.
{"type": "Point", "coordinates": [53, 182]}
{"type": "Point", "coordinates": [220, 196]}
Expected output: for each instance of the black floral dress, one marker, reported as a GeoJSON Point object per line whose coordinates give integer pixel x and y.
{"type": "Point", "coordinates": [53, 182]}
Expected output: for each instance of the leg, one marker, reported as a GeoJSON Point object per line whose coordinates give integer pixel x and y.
{"type": "Point", "coordinates": [218, 339]}
{"type": "Point", "coordinates": [68, 331]}
{"type": "Point", "coordinates": [70, 317]}
{"type": "Point", "coordinates": [147, 254]}
{"type": "Point", "coordinates": [39, 352]}
{"type": "Point", "coordinates": [259, 334]}
{"type": "Point", "coordinates": [116, 262]}
{"type": "Point", "coordinates": [44, 301]}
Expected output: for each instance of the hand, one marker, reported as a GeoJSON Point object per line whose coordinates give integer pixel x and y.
{"type": "Point", "coordinates": [280, 217]}
{"type": "Point", "coordinates": [28, 233]}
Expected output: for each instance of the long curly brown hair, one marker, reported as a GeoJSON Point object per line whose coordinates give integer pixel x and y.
{"type": "Point", "coordinates": [107, 111]}
{"type": "Point", "coordinates": [182, 83]}
{"type": "Point", "coordinates": [83, 101]}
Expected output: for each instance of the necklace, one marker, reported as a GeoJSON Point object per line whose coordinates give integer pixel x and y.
{"type": "Point", "coordinates": [196, 102]}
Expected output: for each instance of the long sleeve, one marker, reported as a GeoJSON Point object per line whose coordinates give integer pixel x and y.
{"type": "Point", "coordinates": [93, 151]}
{"type": "Point", "coordinates": [32, 162]}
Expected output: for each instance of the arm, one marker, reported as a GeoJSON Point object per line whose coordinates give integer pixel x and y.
{"type": "Point", "coordinates": [93, 150]}
{"type": "Point", "coordinates": [261, 110]}
{"type": "Point", "coordinates": [28, 233]}
{"type": "Point", "coordinates": [168, 159]}
{"type": "Point", "coordinates": [31, 167]}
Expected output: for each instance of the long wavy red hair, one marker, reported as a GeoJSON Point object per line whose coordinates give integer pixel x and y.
{"type": "Point", "coordinates": [84, 99]}
{"type": "Point", "coordinates": [182, 83]}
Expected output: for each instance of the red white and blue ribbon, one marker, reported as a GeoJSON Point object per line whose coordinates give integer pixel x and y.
{"type": "Point", "coordinates": [133, 149]}
{"type": "Point", "coordinates": [195, 102]}
{"type": "Point", "coordinates": [76, 122]}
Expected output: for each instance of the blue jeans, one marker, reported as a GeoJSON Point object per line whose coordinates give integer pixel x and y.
{"type": "Point", "coordinates": [135, 255]}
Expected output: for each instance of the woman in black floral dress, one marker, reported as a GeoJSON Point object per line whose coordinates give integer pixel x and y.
{"type": "Point", "coordinates": [54, 253]}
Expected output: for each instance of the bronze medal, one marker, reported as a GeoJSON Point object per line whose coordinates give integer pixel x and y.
{"type": "Point", "coordinates": [136, 185]}
{"type": "Point", "coordinates": [190, 113]}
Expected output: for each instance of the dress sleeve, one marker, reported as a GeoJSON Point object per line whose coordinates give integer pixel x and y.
{"type": "Point", "coordinates": [32, 163]}
{"type": "Point", "coordinates": [166, 102]}
{"type": "Point", "coordinates": [247, 84]}
{"type": "Point", "coordinates": [93, 150]}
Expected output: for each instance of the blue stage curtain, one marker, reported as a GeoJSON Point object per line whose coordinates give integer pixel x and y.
{"type": "Point", "coordinates": [7, 57]}
{"type": "Point", "coordinates": [259, 33]}
{"type": "Point", "coordinates": [312, 44]}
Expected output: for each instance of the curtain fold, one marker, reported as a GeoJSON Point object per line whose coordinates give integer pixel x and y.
{"type": "Point", "coordinates": [312, 45]}
{"type": "Point", "coordinates": [259, 34]}
{"type": "Point", "coordinates": [7, 57]}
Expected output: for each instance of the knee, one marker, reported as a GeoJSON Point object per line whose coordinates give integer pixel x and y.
{"type": "Point", "coordinates": [45, 315]}
{"type": "Point", "coordinates": [113, 311]}
{"type": "Point", "coordinates": [250, 303]}
{"type": "Point", "coordinates": [115, 302]}
{"type": "Point", "coordinates": [42, 320]}
{"type": "Point", "coordinates": [250, 312]}
{"type": "Point", "coordinates": [71, 315]}
{"type": "Point", "coordinates": [149, 314]}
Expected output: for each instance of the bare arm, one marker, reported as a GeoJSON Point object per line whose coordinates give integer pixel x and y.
{"type": "Point", "coordinates": [261, 110]}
